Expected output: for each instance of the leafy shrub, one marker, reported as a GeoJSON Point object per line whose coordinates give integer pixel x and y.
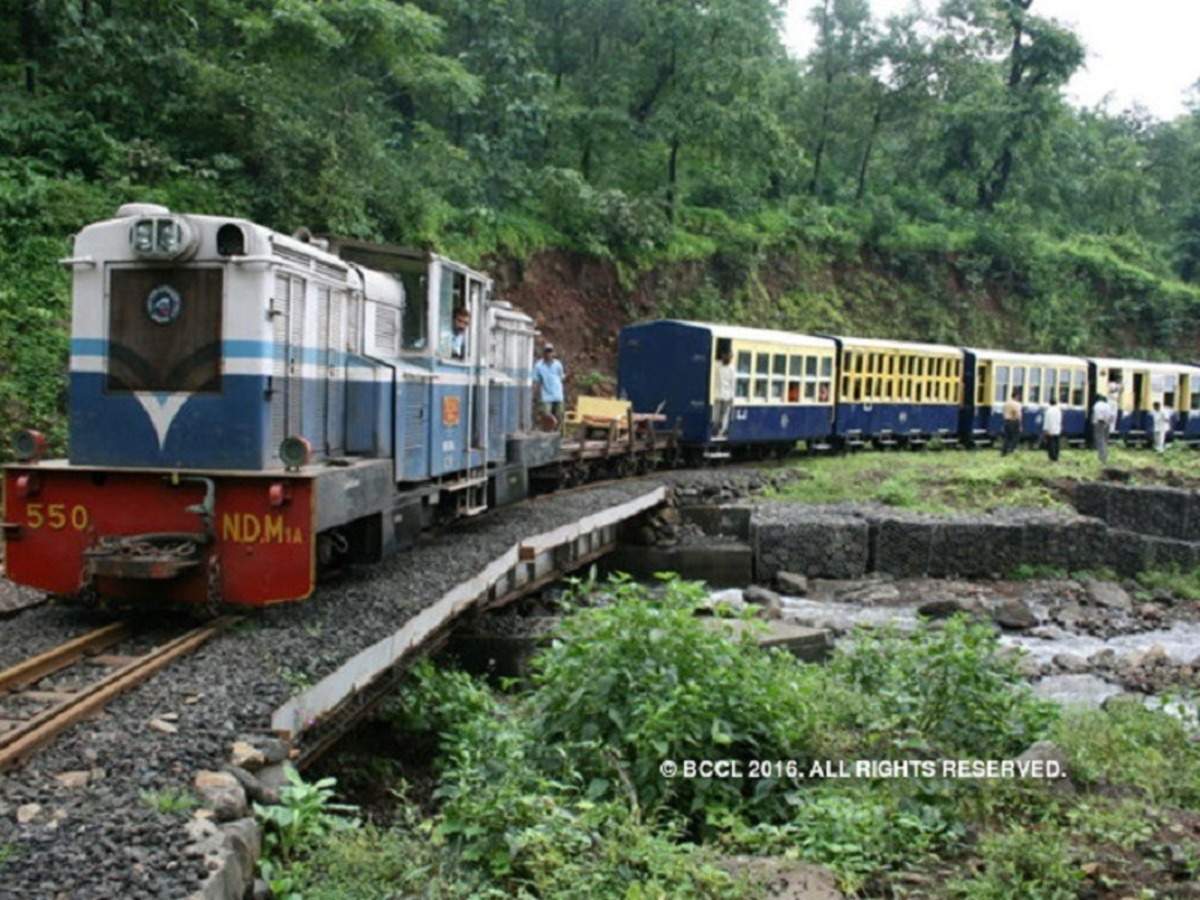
{"type": "Point", "coordinates": [303, 816]}
{"type": "Point", "coordinates": [944, 690]}
{"type": "Point", "coordinates": [1023, 863]}
{"type": "Point", "coordinates": [635, 683]}
{"type": "Point", "coordinates": [859, 828]}
{"type": "Point", "coordinates": [1133, 746]}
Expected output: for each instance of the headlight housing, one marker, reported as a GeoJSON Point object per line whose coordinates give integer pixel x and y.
{"type": "Point", "coordinates": [161, 237]}
{"type": "Point", "coordinates": [28, 445]}
{"type": "Point", "coordinates": [295, 452]}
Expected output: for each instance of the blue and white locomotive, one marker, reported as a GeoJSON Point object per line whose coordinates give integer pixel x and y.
{"type": "Point", "coordinates": [247, 406]}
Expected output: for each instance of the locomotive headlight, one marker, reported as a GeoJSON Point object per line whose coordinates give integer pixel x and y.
{"type": "Point", "coordinates": [28, 445]}
{"type": "Point", "coordinates": [162, 237]}
{"type": "Point", "coordinates": [170, 237]}
{"type": "Point", "coordinates": [143, 236]}
{"type": "Point", "coordinates": [295, 452]}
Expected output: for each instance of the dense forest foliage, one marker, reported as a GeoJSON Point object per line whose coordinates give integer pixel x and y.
{"type": "Point", "coordinates": [922, 175]}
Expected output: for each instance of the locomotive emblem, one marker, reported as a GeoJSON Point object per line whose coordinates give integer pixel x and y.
{"type": "Point", "coordinates": [163, 305]}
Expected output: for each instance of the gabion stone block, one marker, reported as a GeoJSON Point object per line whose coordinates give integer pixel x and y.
{"type": "Point", "coordinates": [903, 544]}
{"type": "Point", "coordinates": [975, 548]}
{"type": "Point", "coordinates": [810, 541]}
{"type": "Point", "coordinates": [1166, 553]}
{"type": "Point", "coordinates": [1149, 510]}
{"type": "Point", "coordinates": [1190, 530]}
{"type": "Point", "coordinates": [1128, 552]}
{"type": "Point", "coordinates": [1091, 499]}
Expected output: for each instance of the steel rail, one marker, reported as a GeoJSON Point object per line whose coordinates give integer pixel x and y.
{"type": "Point", "coordinates": [58, 658]}
{"type": "Point", "coordinates": [32, 734]}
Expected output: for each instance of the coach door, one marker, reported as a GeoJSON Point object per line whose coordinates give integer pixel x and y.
{"type": "Point", "coordinates": [287, 372]}
{"type": "Point", "coordinates": [331, 386]}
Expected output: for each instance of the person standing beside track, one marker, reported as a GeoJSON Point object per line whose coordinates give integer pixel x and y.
{"type": "Point", "coordinates": [1012, 422]}
{"type": "Point", "coordinates": [1161, 423]}
{"type": "Point", "coordinates": [1104, 415]}
{"type": "Point", "coordinates": [1052, 429]}
{"type": "Point", "coordinates": [548, 375]}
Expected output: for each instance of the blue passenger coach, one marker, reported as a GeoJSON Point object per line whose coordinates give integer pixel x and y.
{"type": "Point", "coordinates": [992, 376]}
{"type": "Point", "coordinates": [896, 391]}
{"type": "Point", "coordinates": [1134, 386]}
{"type": "Point", "coordinates": [784, 382]}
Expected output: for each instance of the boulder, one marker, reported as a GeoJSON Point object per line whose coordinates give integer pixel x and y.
{"type": "Point", "coordinates": [1109, 595]}
{"type": "Point", "coordinates": [945, 607]}
{"type": "Point", "coordinates": [1070, 663]}
{"type": "Point", "coordinates": [245, 755]}
{"type": "Point", "coordinates": [791, 583]}
{"type": "Point", "coordinates": [255, 789]}
{"type": "Point", "coordinates": [1012, 613]}
{"type": "Point", "coordinates": [770, 603]}
{"type": "Point", "coordinates": [870, 593]}
{"type": "Point", "coordinates": [221, 792]}
{"type": "Point", "coordinates": [729, 601]}
{"type": "Point", "coordinates": [1050, 753]}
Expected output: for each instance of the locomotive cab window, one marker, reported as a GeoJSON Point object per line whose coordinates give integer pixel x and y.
{"type": "Point", "coordinates": [414, 328]}
{"type": "Point", "coordinates": [164, 330]}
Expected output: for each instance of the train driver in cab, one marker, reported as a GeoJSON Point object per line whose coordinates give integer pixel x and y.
{"type": "Point", "coordinates": [462, 324]}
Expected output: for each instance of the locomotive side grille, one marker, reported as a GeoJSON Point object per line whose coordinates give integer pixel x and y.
{"type": "Point", "coordinates": [164, 329]}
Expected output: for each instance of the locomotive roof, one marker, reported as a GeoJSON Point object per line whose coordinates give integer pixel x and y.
{"type": "Point", "coordinates": [884, 344]}
{"type": "Point", "coordinates": [760, 335]}
{"type": "Point", "coordinates": [1048, 359]}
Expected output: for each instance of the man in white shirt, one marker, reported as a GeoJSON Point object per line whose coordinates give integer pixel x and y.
{"type": "Point", "coordinates": [1104, 417]}
{"type": "Point", "coordinates": [1052, 429]}
{"type": "Point", "coordinates": [723, 407]}
{"type": "Point", "coordinates": [1161, 422]}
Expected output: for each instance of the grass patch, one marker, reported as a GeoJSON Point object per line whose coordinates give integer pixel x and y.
{"type": "Point", "coordinates": [170, 801]}
{"type": "Point", "coordinates": [1184, 585]}
{"type": "Point", "coordinates": [949, 481]}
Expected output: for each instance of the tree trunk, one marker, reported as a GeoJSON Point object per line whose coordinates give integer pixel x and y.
{"type": "Point", "coordinates": [29, 43]}
{"type": "Point", "coordinates": [672, 179]}
{"type": "Point", "coordinates": [826, 104]}
{"type": "Point", "coordinates": [876, 120]}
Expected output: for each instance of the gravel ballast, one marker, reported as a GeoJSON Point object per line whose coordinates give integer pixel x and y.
{"type": "Point", "coordinates": [105, 839]}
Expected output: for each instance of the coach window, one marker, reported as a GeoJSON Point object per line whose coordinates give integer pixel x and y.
{"type": "Point", "coordinates": [1035, 386]}
{"type": "Point", "coordinates": [778, 375]}
{"type": "Point", "coordinates": [744, 360]}
{"type": "Point", "coordinates": [762, 374]}
{"type": "Point", "coordinates": [1064, 387]}
{"type": "Point", "coordinates": [810, 378]}
{"type": "Point", "coordinates": [1077, 382]}
{"type": "Point", "coordinates": [1018, 381]}
{"type": "Point", "coordinates": [1002, 381]}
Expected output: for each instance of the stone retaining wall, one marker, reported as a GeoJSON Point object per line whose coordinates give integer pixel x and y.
{"type": "Point", "coordinates": [848, 541]}
{"type": "Point", "coordinates": [1156, 511]}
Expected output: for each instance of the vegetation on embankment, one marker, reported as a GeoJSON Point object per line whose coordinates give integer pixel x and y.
{"type": "Point", "coordinates": [978, 480]}
{"type": "Point", "coordinates": [556, 789]}
{"type": "Point", "coordinates": [921, 177]}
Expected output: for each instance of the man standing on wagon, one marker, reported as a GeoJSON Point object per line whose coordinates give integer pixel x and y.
{"type": "Point", "coordinates": [548, 375]}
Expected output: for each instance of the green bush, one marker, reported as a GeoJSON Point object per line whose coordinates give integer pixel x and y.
{"type": "Point", "coordinates": [944, 691]}
{"type": "Point", "coordinates": [1132, 746]}
{"type": "Point", "coordinates": [632, 684]}
{"type": "Point", "coordinates": [1020, 864]}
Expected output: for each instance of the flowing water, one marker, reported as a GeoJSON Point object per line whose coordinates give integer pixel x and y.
{"type": "Point", "coordinates": [1181, 642]}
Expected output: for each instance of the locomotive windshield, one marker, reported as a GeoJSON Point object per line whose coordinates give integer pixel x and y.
{"type": "Point", "coordinates": [164, 329]}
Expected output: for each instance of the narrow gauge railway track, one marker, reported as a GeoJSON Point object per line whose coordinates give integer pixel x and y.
{"type": "Point", "coordinates": [31, 717]}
